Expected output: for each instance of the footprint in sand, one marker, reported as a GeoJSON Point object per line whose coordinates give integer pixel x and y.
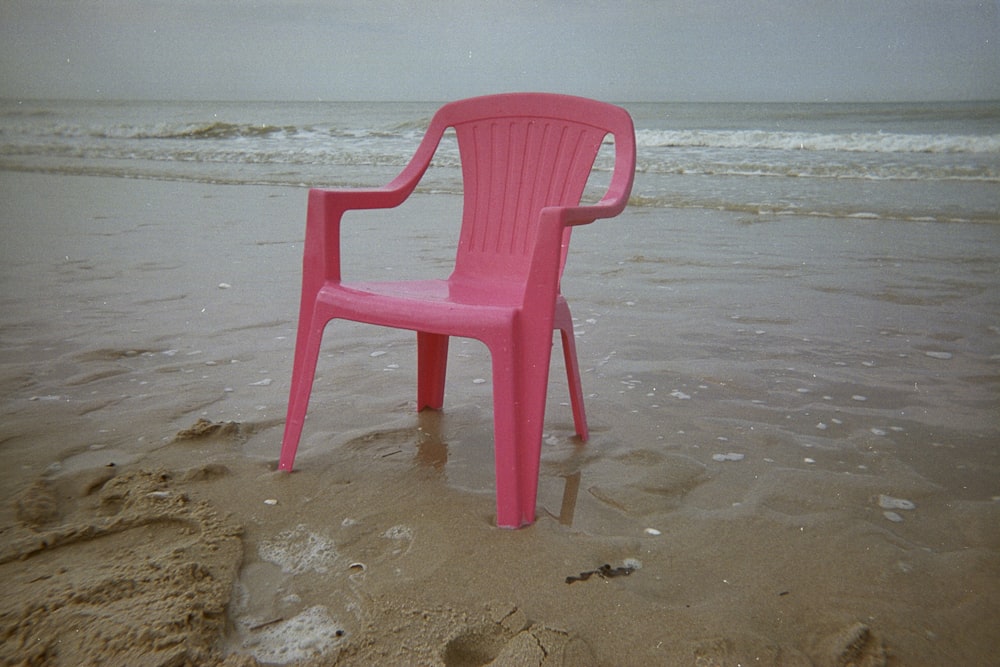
{"type": "Point", "coordinates": [509, 638]}
{"type": "Point", "coordinates": [534, 646]}
{"type": "Point", "coordinates": [639, 492]}
{"type": "Point", "coordinates": [856, 645]}
{"type": "Point", "coordinates": [744, 649]}
{"type": "Point", "coordinates": [500, 635]}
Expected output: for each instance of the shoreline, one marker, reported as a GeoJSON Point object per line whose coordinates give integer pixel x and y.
{"type": "Point", "coordinates": [669, 203]}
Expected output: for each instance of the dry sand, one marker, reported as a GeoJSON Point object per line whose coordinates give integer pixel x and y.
{"type": "Point", "coordinates": [795, 446]}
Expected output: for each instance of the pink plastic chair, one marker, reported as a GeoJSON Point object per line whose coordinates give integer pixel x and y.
{"type": "Point", "coordinates": [525, 159]}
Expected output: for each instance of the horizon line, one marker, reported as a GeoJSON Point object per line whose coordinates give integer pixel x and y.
{"type": "Point", "coordinates": [318, 100]}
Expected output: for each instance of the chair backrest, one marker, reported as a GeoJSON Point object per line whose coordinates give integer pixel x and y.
{"type": "Point", "coordinates": [520, 153]}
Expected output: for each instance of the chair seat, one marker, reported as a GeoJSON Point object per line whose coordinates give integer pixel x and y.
{"type": "Point", "coordinates": [434, 306]}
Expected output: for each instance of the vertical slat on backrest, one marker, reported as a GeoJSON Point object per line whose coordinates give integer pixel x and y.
{"type": "Point", "coordinates": [512, 168]}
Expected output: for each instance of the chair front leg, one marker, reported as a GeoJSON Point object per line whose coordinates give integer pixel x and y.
{"type": "Point", "coordinates": [307, 346]}
{"type": "Point", "coordinates": [520, 378]}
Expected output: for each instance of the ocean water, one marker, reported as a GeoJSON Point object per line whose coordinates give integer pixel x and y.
{"type": "Point", "coordinates": [926, 161]}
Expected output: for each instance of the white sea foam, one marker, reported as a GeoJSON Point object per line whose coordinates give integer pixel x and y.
{"type": "Point", "coordinates": [299, 550]}
{"type": "Point", "coordinates": [311, 633]}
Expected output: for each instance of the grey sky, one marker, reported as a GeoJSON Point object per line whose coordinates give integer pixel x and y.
{"type": "Point", "coordinates": [685, 50]}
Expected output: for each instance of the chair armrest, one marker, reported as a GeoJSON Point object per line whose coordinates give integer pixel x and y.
{"type": "Point", "coordinates": [616, 198]}
{"type": "Point", "coordinates": [582, 215]}
{"type": "Point", "coordinates": [341, 200]}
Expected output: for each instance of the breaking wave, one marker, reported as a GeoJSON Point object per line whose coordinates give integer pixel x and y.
{"type": "Point", "coordinates": [854, 142]}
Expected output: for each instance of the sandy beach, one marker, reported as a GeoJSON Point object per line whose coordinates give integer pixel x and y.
{"type": "Point", "coordinates": [794, 444]}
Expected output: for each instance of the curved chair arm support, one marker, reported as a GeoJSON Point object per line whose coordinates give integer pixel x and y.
{"type": "Point", "coordinates": [616, 198]}
{"type": "Point", "coordinates": [549, 252]}
{"type": "Point", "coordinates": [327, 206]}
{"type": "Point", "coordinates": [392, 194]}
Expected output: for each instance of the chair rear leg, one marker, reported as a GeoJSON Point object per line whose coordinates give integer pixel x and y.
{"type": "Point", "coordinates": [564, 322]}
{"type": "Point", "coordinates": [432, 366]}
{"type": "Point", "coordinates": [307, 347]}
{"type": "Point", "coordinates": [575, 387]}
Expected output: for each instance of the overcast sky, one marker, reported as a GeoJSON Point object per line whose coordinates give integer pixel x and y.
{"type": "Point", "coordinates": [684, 50]}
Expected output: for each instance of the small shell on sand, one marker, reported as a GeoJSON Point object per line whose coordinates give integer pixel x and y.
{"type": "Point", "coordinates": [632, 563]}
{"type": "Point", "coordinates": [890, 503]}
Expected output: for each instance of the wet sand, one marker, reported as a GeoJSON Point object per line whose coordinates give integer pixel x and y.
{"type": "Point", "coordinates": [794, 445]}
